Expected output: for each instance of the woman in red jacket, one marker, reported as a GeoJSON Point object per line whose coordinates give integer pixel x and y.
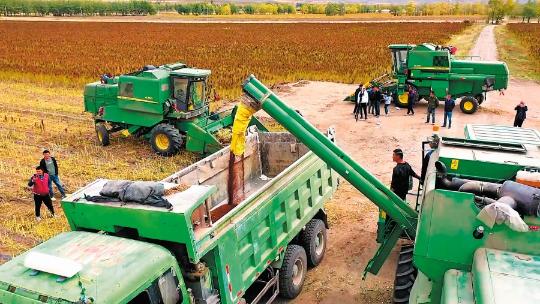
{"type": "Point", "coordinates": [39, 183]}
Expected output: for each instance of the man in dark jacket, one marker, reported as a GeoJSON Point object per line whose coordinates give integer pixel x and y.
{"type": "Point", "coordinates": [39, 183]}
{"type": "Point", "coordinates": [401, 175]}
{"type": "Point", "coordinates": [521, 114]}
{"type": "Point", "coordinates": [411, 100]}
{"type": "Point", "coordinates": [357, 98]}
{"type": "Point", "coordinates": [449, 105]}
{"type": "Point", "coordinates": [376, 99]}
{"type": "Point", "coordinates": [433, 103]}
{"type": "Point", "coordinates": [50, 166]}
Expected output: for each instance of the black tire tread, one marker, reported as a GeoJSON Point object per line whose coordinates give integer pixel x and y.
{"type": "Point", "coordinates": [286, 288]}
{"type": "Point", "coordinates": [174, 136]}
{"type": "Point", "coordinates": [101, 128]}
{"type": "Point", "coordinates": [405, 275]}
{"type": "Point", "coordinates": [306, 238]}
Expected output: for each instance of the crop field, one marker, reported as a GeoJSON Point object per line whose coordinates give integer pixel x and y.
{"type": "Point", "coordinates": [529, 35]}
{"type": "Point", "coordinates": [519, 46]}
{"type": "Point", "coordinates": [43, 66]}
{"type": "Point", "coordinates": [78, 52]}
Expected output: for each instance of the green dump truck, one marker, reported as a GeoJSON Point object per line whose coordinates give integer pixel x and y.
{"type": "Point", "coordinates": [203, 250]}
{"type": "Point", "coordinates": [167, 105]}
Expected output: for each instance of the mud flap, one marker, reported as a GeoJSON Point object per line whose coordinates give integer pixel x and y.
{"type": "Point", "coordinates": [375, 264]}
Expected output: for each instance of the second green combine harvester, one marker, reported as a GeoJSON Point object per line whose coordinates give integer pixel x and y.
{"type": "Point", "coordinates": [428, 67]}
{"type": "Point", "coordinates": [476, 230]}
{"type": "Point", "coordinates": [167, 105]}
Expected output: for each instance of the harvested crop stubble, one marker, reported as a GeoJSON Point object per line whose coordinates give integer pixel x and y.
{"type": "Point", "coordinates": [77, 52]}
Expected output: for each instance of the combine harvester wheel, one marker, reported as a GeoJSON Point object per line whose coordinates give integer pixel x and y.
{"type": "Point", "coordinates": [165, 140]}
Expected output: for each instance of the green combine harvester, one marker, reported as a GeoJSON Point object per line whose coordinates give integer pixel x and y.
{"type": "Point", "coordinates": [167, 105]}
{"type": "Point", "coordinates": [474, 235]}
{"type": "Point", "coordinates": [428, 67]}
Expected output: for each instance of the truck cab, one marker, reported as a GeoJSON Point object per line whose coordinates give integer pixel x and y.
{"type": "Point", "coordinates": [102, 269]}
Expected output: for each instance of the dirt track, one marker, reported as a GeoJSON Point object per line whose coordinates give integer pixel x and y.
{"type": "Point", "coordinates": [352, 237]}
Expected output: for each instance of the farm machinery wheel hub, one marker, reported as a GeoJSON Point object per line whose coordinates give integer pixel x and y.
{"type": "Point", "coordinates": [162, 142]}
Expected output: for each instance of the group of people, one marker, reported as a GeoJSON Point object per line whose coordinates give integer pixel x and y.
{"type": "Point", "coordinates": [368, 100]}
{"type": "Point", "coordinates": [41, 184]}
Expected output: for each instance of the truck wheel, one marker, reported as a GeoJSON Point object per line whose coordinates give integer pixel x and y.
{"type": "Point", "coordinates": [405, 275]}
{"type": "Point", "coordinates": [165, 139]}
{"type": "Point", "coordinates": [313, 239]}
{"type": "Point", "coordinates": [480, 98]}
{"type": "Point", "coordinates": [293, 272]}
{"type": "Point", "coordinates": [468, 105]}
{"type": "Point", "coordinates": [402, 100]}
{"type": "Point", "coordinates": [102, 134]}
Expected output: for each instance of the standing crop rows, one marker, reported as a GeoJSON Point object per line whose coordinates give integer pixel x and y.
{"type": "Point", "coordinates": [529, 36]}
{"type": "Point", "coordinates": [75, 53]}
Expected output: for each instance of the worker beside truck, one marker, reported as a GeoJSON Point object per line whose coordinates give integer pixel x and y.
{"type": "Point", "coordinates": [39, 184]}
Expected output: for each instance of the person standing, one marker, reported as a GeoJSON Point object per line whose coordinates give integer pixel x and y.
{"type": "Point", "coordinates": [449, 104]}
{"type": "Point", "coordinates": [401, 175]}
{"type": "Point", "coordinates": [521, 114]}
{"type": "Point", "coordinates": [370, 101]}
{"type": "Point", "coordinates": [357, 98]}
{"type": "Point", "coordinates": [387, 102]}
{"type": "Point", "coordinates": [39, 182]}
{"type": "Point", "coordinates": [433, 103]}
{"type": "Point", "coordinates": [376, 98]}
{"type": "Point", "coordinates": [50, 166]}
{"type": "Point", "coordinates": [411, 99]}
{"type": "Point", "coordinates": [363, 105]}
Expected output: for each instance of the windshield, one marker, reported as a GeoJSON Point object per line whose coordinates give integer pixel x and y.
{"type": "Point", "coordinates": [180, 92]}
{"type": "Point", "coordinates": [197, 94]}
{"type": "Point", "coordinates": [399, 60]}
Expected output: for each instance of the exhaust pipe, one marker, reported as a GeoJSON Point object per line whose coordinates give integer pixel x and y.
{"type": "Point", "coordinates": [443, 181]}
{"type": "Point", "coordinates": [479, 188]}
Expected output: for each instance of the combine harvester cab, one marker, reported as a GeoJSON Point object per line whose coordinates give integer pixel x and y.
{"type": "Point", "coordinates": [167, 105]}
{"type": "Point", "coordinates": [429, 67]}
{"type": "Point", "coordinates": [204, 249]}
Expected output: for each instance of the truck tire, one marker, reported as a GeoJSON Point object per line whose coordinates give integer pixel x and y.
{"type": "Point", "coordinates": [480, 98]}
{"type": "Point", "coordinates": [313, 239]}
{"type": "Point", "coordinates": [292, 272]}
{"type": "Point", "coordinates": [165, 139]}
{"type": "Point", "coordinates": [405, 275]}
{"type": "Point", "coordinates": [468, 105]}
{"type": "Point", "coordinates": [102, 134]}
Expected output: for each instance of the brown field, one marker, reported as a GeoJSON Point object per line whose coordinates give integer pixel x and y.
{"type": "Point", "coordinates": [519, 46]}
{"type": "Point", "coordinates": [38, 110]}
{"type": "Point", "coordinates": [74, 53]}
{"type": "Point", "coordinates": [529, 35]}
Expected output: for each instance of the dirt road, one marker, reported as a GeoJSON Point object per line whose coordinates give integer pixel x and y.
{"type": "Point", "coordinates": [485, 46]}
{"type": "Point", "coordinates": [352, 235]}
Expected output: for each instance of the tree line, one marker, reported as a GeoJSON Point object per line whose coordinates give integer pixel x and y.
{"type": "Point", "coordinates": [498, 9]}
{"type": "Point", "coordinates": [75, 8]}
{"type": "Point", "coordinates": [495, 10]}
